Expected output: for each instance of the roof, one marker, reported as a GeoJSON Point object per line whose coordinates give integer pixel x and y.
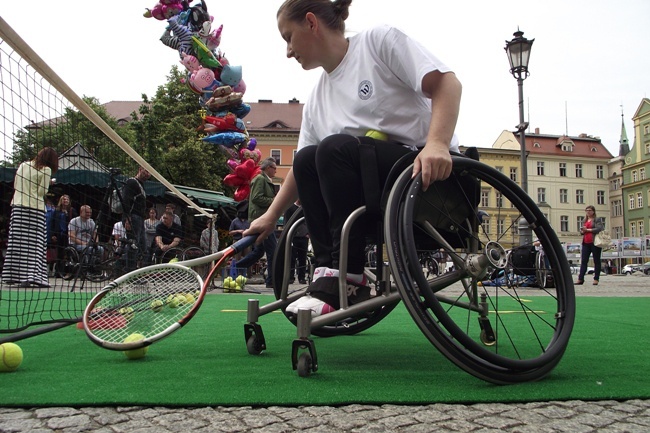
{"type": "Point", "coordinates": [272, 115]}
{"type": "Point", "coordinates": [78, 158]}
{"type": "Point", "coordinates": [582, 146]}
{"type": "Point", "coordinates": [212, 199]}
{"type": "Point", "coordinates": [121, 110]}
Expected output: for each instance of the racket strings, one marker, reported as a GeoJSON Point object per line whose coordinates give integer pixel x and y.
{"type": "Point", "coordinates": [147, 303]}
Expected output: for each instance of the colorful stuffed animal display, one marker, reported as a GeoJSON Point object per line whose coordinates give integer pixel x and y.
{"type": "Point", "coordinates": [219, 84]}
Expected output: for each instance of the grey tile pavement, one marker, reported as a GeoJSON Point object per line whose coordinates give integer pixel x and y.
{"type": "Point", "coordinates": [548, 416]}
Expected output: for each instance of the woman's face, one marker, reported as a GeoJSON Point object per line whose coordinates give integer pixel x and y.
{"type": "Point", "coordinates": [152, 214]}
{"type": "Point", "coordinates": [300, 40]}
{"type": "Point", "coordinates": [65, 200]}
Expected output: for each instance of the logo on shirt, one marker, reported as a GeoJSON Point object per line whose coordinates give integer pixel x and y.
{"type": "Point", "coordinates": [365, 90]}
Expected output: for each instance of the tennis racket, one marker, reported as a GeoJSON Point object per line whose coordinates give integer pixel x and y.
{"type": "Point", "coordinates": [153, 301]}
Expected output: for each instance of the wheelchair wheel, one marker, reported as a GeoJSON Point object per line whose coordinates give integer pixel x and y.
{"type": "Point", "coordinates": [501, 330]}
{"type": "Point", "coordinates": [349, 326]}
{"type": "Point", "coordinates": [68, 266]}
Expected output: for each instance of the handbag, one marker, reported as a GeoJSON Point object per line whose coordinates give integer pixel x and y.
{"type": "Point", "coordinates": [602, 239]}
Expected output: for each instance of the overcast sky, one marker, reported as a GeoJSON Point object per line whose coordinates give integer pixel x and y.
{"type": "Point", "coordinates": [588, 62]}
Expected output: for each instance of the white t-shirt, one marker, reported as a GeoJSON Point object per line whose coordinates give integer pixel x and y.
{"type": "Point", "coordinates": [377, 86]}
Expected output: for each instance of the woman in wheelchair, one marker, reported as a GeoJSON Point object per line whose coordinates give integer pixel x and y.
{"type": "Point", "coordinates": [378, 80]}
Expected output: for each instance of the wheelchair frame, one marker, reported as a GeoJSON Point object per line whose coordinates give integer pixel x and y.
{"type": "Point", "coordinates": [478, 328]}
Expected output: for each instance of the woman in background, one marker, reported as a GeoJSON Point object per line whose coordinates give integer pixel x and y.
{"type": "Point", "coordinates": [25, 263]}
{"type": "Point", "coordinates": [590, 228]}
{"type": "Point", "coordinates": [150, 230]}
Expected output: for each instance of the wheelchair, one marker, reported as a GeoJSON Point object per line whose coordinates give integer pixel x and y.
{"type": "Point", "coordinates": [501, 333]}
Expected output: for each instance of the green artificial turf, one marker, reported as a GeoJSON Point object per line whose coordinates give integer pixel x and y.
{"type": "Point", "coordinates": [206, 363]}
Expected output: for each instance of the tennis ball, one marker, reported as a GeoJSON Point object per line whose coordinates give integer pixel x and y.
{"type": "Point", "coordinates": [173, 302]}
{"type": "Point", "coordinates": [135, 353]}
{"type": "Point", "coordinates": [189, 298]}
{"type": "Point", "coordinates": [180, 299]}
{"type": "Point", "coordinates": [128, 313]}
{"type": "Point", "coordinates": [157, 305]}
{"type": "Point", "coordinates": [377, 135]}
{"type": "Point", "coordinates": [11, 356]}
{"type": "Point", "coordinates": [174, 260]}
{"type": "Point", "coordinates": [241, 280]}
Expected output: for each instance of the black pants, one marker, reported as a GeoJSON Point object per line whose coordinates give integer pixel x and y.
{"type": "Point", "coordinates": [330, 188]}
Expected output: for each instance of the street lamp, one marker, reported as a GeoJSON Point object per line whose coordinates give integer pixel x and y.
{"type": "Point", "coordinates": [518, 50]}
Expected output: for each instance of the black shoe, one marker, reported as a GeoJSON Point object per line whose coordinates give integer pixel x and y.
{"type": "Point", "coordinates": [269, 286]}
{"type": "Point", "coordinates": [292, 280]}
{"type": "Point", "coordinates": [302, 281]}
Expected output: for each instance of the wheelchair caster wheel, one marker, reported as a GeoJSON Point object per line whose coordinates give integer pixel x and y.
{"type": "Point", "coordinates": [255, 341]}
{"type": "Point", "coordinates": [254, 345]}
{"type": "Point", "coordinates": [304, 366]}
{"type": "Point", "coordinates": [486, 339]}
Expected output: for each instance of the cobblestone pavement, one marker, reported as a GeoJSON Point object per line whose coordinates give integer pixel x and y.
{"type": "Point", "coordinates": [539, 417]}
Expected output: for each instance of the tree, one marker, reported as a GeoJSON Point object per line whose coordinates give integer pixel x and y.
{"type": "Point", "coordinates": [165, 135]}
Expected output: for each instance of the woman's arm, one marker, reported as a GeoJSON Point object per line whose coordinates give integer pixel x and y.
{"type": "Point", "coordinates": [434, 161]}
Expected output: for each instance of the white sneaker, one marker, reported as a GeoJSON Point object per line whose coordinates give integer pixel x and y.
{"type": "Point", "coordinates": [317, 307]}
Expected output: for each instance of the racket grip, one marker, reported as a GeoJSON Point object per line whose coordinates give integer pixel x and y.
{"type": "Point", "coordinates": [243, 243]}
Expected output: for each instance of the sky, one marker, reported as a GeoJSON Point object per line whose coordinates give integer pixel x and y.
{"type": "Point", "coordinates": [587, 66]}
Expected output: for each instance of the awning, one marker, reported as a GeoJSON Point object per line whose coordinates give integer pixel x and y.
{"type": "Point", "coordinates": [211, 199]}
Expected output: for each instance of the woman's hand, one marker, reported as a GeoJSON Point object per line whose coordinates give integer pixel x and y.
{"type": "Point", "coordinates": [434, 161]}
{"type": "Point", "coordinates": [262, 227]}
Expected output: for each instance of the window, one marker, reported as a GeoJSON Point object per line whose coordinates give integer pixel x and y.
{"type": "Point", "coordinates": [485, 198]}
{"type": "Point", "coordinates": [486, 226]}
{"type": "Point", "coordinates": [541, 195]}
{"type": "Point", "coordinates": [600, 172]}
{"type": "Point", "coordinates": [513, 174]}
{"type": "Point", "coordinates": [579, 223]}
{"type": "Point", "coordinates": [499, 168]}
{"type": "Point", "coordinates": [639, 200]}
{"type": "Point", "coordinates": [635, 176]}
{"type": "Point", "coordinates": [578, 170]}
{"type": "Point", "coordinates": [647, 148]}
{"type": "Point", "coordinates": [633, 229]}
{"type": "Point", "coordinates": [646, 129]}
{"type": "Point", "coordinates": [630, 201]}
{"type": "Point", "coordinates": [564, 195]}
{"type": "Point", "coordinates": [641, 228]}
{"type": "Point", "coordinates": [277, 155]}
{"type": "Point", "coordinates": [580, 196]}
{"type": "Point", "coordinates": [501, 222]}
{"type": "Point", "coordinates": [564, 223]}
{"type": "Point", "coordinates": [617, 208]}
{"type": "Point", "coordinates": [563, 169]}
{"type": "Point", "coordinates": [616, 184]}
{"type": "Point", "coordinates": [618, 233]}
{"type": "Point", "coordinates": [540, 168]}
{"type": "Point", "coordinates": [642, 174]}
{"type": "Point", "coordinates": [499, 199]}
{"type": "Point", "coordinates": [600, 197]}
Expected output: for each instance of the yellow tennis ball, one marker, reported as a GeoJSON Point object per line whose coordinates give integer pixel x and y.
{"type": "Point", "coordinates": [180, 298]}
{"type": "Point", "coordinates": [174, 260]}
{"type": "Point", "coordinates": [189, 298]}
{"type": "Point", "coordinates": [173, 302]}
{"type": "Point", "coordinates": [157, 305]}
{"type": "Point", "coordinates": [241, 280]}
{"type": "Point", "coordinates": [377, 135]}
{"type": "Point", "coordinates": [135, 353]}
{"type": "Point", "coordinates": [128, 313]}
{"type": "Point", "coordinates": [11, 356]}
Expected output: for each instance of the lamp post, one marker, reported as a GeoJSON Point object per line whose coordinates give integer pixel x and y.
{"type": "Point", "coordinates": [518, 50]}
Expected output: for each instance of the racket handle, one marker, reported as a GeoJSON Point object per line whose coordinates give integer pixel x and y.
{"type": "Point", "coordinates": [243, 243]}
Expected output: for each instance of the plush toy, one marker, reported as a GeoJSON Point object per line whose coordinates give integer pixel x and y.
{"type": "Point", "coordinates": [246, 154]}
{"type": "Point", "coordinates": [229, 122]}
{"type": "Point", "coordinates": [177, 36]}
{"type": "Point", "coordinates": [205, 56]}
{"type": "Point", "coordinates": [241, 178]}
{"type": "Point", "coordinates": [190, 62]}
{"type": "Point", "coordinates": [164, 10]}
{"type": "Point", "coordinates": [213, 40]}
{"type": "Point", "coordinates": [202, 78]}
{"type": "Point", "coordinates": [228, 139]}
